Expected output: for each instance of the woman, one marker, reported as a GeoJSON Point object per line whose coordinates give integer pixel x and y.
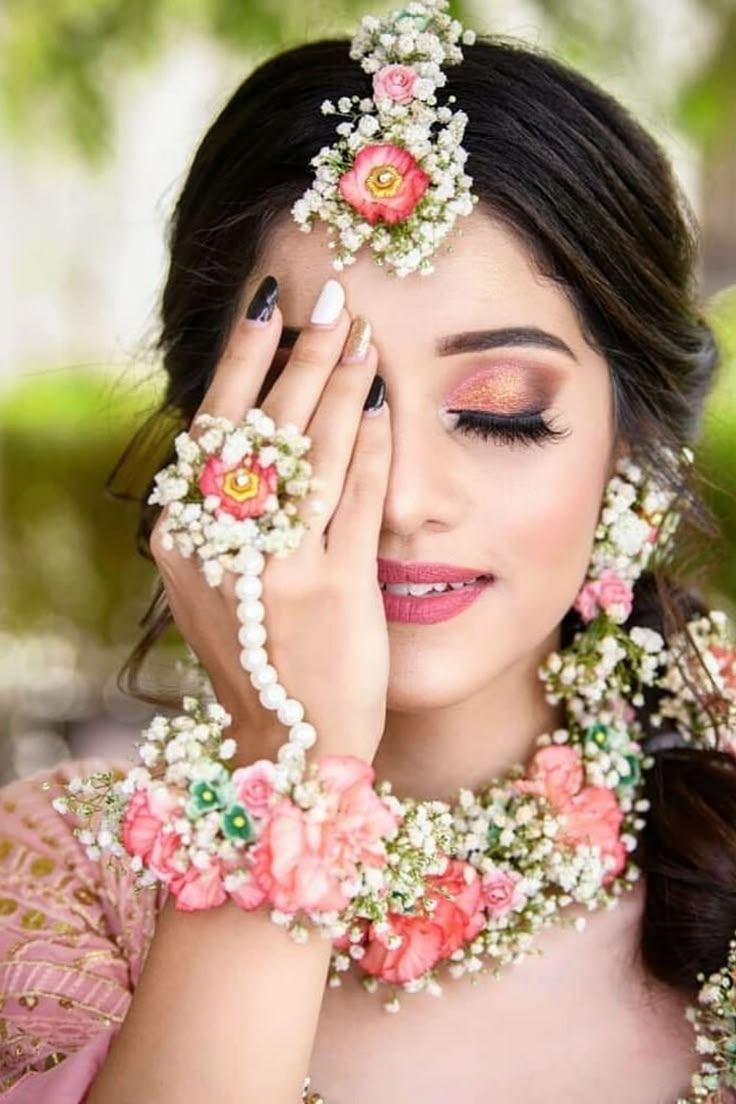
{"type": "Point", "coordinates": [465, 429]}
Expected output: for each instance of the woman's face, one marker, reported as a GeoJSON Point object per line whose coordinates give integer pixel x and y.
{"type": "Point", "coordinates": [483, 333]}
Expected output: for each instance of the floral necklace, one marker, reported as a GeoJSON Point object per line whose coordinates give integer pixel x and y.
{"type": "Point", "coordinates": [405, 889]}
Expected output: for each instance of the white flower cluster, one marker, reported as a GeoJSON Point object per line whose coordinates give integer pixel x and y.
{"type": "Point", "coordinates": [602, 674]}
{"type": "Point", "coordinates": [420, 38]}
{"type": "Point", "coordinates": [196, 523]}
{"type": "Point", "coordinates": [714, 1023]}
{"type": "Point", "coordinates": [636, 520]}
{"type": "Point", "coordinates": [700, 683]}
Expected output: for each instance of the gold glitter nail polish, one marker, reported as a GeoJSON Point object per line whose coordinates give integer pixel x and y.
{"type": "Point", "coordinates": [359, 338]}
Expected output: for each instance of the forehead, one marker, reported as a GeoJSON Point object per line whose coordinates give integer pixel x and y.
{"type": "Point", "coordinates": [486, 279]}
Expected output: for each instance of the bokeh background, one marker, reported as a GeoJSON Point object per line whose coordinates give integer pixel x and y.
{"type": "Point", "coordinates": [103, 103]}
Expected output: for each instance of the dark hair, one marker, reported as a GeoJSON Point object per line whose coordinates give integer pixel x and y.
{"type": "Point", "coordinates": [593, 199]}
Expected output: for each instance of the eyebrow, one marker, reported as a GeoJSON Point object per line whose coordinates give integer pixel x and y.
{"type": "Point", "coordinates": [477, 341]}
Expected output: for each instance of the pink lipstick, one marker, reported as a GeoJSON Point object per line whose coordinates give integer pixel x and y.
{"type": "Point", "coordinates": [425, 593]}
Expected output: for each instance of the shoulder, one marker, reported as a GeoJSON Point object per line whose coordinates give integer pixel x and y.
{"type": "Point", "coordinates": [73, 931]}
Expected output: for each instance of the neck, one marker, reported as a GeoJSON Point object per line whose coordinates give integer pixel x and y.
{"type": "Point", "coordinates": [432, 754]}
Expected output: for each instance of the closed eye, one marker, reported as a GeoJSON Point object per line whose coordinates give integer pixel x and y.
{"type": "Point", "coordinates": [507, 429]}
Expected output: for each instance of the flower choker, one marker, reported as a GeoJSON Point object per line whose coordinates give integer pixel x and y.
{"type": "Point", "coordinates": [395, 178]}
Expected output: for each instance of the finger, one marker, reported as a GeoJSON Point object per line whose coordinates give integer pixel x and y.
{"type": "Point", "coordinates": [335, 426]}
{"type": "Point", "coordinates": [318, 349]}
{"type": "Point", "coordinates": [355, 527]}
{"type": "Point", "coordinates": [247, 356]}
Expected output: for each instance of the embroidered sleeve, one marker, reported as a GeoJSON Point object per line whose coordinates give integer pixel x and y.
{"type": "Point", "coordinates": [73, 939]}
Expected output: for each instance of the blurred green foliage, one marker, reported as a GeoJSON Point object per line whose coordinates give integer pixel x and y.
{"type": "Point", "coordinates": [61, 61]}
{"type": "Point", "coordinates": [68, 556]}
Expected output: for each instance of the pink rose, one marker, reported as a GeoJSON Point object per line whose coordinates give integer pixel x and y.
{"type": "Point", "coordinates": [419, 951]}
{"type": "Point", "coordinates": [459, 915]}
{"type": "Point", "coordinates": [555, 772]}
{"type": "Point", "coordinates": [145, 815]}
{"type": "Point", "coordinates": [614, 594]}
{"type": "Point", "coordinates": [586, 602]}
{"type": "Point", "coordinates": [242, 488]}
{"type": "Point", "coordinates": [395, 82]}
{"type": "Point", "coordinates": [198, 889]}
{"type": "Point", "coordinates": [385, 182]}
{"type": "Point", "coordinates": [254, 785]}
{"type": "Point", "coordinates": [501, 891]}
{"type": "Point", "coordinates": [594, 817]}
{"type": "Point", "coordinates": [301, 860]}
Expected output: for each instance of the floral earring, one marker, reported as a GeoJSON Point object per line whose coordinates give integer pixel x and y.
{"type": "Point", "coordinates": [601, 675]}
{"type": "Point", "coordinates": [636, 521]}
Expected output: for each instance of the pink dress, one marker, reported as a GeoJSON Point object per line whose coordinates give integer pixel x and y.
{"type": "Point", "coordinates": [73, 939]}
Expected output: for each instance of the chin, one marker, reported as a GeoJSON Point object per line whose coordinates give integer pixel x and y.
{"type": "Point", "coordinates": [420, 680]}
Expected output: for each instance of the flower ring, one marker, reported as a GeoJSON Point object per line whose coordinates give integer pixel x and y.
{"type": "Point", "coordinates": [233, 490]}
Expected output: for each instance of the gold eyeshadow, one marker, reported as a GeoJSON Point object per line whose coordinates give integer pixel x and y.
{"type": "Point", "coordinates": [503, 389]}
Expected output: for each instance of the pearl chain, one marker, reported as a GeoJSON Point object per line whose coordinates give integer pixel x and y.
{"type": "Point", "coordinates": [263, 675]}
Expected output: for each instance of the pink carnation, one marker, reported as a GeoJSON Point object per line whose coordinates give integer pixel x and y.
{"type": "Point", "coordinates": [254, 786]}
{"type": "Point", "coordinates": [198, 889]}
{"type": "Point", "coordinates": [456, 919]}
{"type": "Point", "coordinates": [555, 772]}
{"type": "Point", "coordinates": [395, 82]}
{"type": "Point", "coordinates": [502, 892]}
{"type": "Point", "coordinates": [594, 817]}
{"type": "Point", "coordinates": [145, 815]}
{"type": "Point", "coordinates": [421, 941]}
{"type": "Point", "coordinates": [163, 857]}
{"type": "Point", "coordinates": [250, 895]}
{"type": "Point", "coordinates": [385, 183]}
{"type": "Point", "coordinates": [592, 813]}
{"type": "Point", "coordinates": [301, 859]}
{"type": "Point", "coordinates": [459, 910]}
{"type": "Point", "coordinates": [242, 488]}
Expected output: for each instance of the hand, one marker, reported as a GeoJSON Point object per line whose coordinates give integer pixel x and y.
{"type": "Point", "coordinates": [324, 616]}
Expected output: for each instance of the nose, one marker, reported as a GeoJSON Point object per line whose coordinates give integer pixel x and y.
{"type": "Point", "coordinates": [425, 488]}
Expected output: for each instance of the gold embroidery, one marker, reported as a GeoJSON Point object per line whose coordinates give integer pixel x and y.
{"type": "Point", "coordinates": [54, 1060]}
{"type": "Point", "coordinates": [29, 822]}
{"type": "Point", "coordinates": [10, 806]}
{"type": "Point", "coordinates": [85, 897]}
{"type": "Point", "coordinates": [5, 848]}
{"type": "Point", "coordinates": [28, 1002]}
{"type": "Point", "coordinates": [7, 906]}
{"type": "Point", "coordinates": [64, 1002]}
{"type": "Point", "coordinates": [32, 920]}
{"type": "Point", "coordinates": [42, 866]}
{"type": "Point", "coordinates": [63, 928]}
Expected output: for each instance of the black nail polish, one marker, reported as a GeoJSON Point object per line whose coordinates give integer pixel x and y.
{"type": "Point", "coordinates": [376, 395]}
{"type": "Point", "coordinates": [263, 303]}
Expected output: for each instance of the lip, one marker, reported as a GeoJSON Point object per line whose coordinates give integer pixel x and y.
{"type": "Point", "coordinates": [398, 571]}
{"type": "Point", "coordinates": [431, 608]}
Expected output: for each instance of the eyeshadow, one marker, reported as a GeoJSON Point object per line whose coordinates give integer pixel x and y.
{"type": "Point", "coordinates": [504, 389]}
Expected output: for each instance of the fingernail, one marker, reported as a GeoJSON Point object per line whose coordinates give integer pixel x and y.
{"type": "Point", "coordinates": [263, 304]}
{"type": "Point", "coordinates": [376, 395]}
{"type": "Point", "coordinates": [358, 342]}
{"type": "Point", "coordinates": [328, 307]}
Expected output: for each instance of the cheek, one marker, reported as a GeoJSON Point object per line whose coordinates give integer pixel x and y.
{"type": "Point", "coordinates": [544, 518]}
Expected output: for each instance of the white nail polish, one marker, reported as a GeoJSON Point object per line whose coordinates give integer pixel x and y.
{"type": "Point", "coordinates": [329, 305]}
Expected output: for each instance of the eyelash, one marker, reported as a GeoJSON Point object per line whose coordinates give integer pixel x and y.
{"type": "Point", "coordinates": [507, 429]}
